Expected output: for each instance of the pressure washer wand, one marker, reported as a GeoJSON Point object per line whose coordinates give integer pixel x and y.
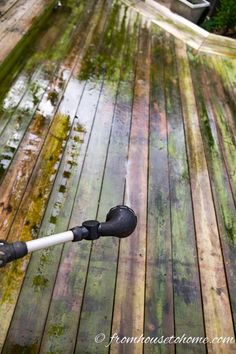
{"type": "Point", "coordinates": [120, 222]}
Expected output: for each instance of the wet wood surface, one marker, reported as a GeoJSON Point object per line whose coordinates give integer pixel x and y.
{"type": "Point", "coordinates": [16, 21]}
{"type": "Point", "coordinates": [108, 108]}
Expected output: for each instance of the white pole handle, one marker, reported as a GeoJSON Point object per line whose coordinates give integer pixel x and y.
{"type": "Point", "coordinates": [48, 241]}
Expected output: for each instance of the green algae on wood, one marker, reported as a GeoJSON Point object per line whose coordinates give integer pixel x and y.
{"type": "Point", "coordinates": [72, 28]}
{"type": "Point", "coordinates": [29, 216]}
{"type": "Point", "coordinates": [186, 282]}
{"type": "Point", "coordinates": [216, 305]}
{"type": "Point", "coordinates": [226, 135]}
{"type": "Point", "coordinates": [79, 131]}
{"type": "Point", "coordinates": [90, 182]}
{"type": "Point", "coordinates": [45, 170]}
{"type": "Point", "coordinates": [226, 90]}
{"type": "Point", "coordinates": [74, 258]}
{"type": "Point", "coordinates": [41, 272]}
{"type": "Point", "coordinates": [13, 186]}
{"type": "Point", "coordinates": [100, 286]}
{"type": "Point", "coordinates": [128, 317]}
{"type": "Point", "coordinates": [224, 203]}
{"type": "Point", "coordinates": [47, 42]}
{"type": "Point", "coordinates": [227, 69]}
{"type": "Point", "coordinates": [159, 291]}
{"type": "Point", "coordinates": [111, 41]}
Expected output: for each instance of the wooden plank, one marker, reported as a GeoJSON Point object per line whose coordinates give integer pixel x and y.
{"type": "Point", "coordinates": [128, 318]}
{"type": "Point", "coordinates": [97, 309]}
{"type": "Point", "coordinates": [223, 199]}
{"type": "Point", "coordinates": [219, 45]}
{"type": "Point", "coordinates": [67, 295]}
{"type": "Point", "coordinates": [13, 186]}
{"type": "Point", "coordinates": [228, 67]}
{"type": "Point", "coordinates": [216, 306]}
{"type": "Point", "coordinates": [159, 312]}
{"type": "Point", "coordinates": [188, 312]}
{"type": "Point", "coordinates": [9, 21]}
{"type": "Point", "coordinates": [6, 5]}
{"type": "Point", "coordinates": [13, 98]}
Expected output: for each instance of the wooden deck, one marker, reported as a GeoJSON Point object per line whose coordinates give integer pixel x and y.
{"type": "Point", "coordinates": [16, 17]}
{"type": "Point", "coordinates": [109, 107]}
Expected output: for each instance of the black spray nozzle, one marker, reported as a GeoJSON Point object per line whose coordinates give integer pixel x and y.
{"type": "Point", "coordinates": [120, 222]}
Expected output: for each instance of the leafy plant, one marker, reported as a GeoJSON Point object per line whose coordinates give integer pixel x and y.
{"type": "Point", "coordinates": [224, 21]}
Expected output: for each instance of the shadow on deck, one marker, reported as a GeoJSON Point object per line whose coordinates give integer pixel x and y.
{"type": "Point", "coordinates": [107, 108]}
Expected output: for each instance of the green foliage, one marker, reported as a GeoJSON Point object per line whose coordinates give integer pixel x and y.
{"type": "Point", "coordinates": [224, 19]}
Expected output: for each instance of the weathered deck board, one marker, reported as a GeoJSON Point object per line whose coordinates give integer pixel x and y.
{"type": "Point", "coordinates": [224, 92]}
{"type": "Point", "coordinates": [227, 68]}
{"type": "Point", "coordinates": [129, 304]}
{"type": "Point", "coordinates": [6, 5]}
{"type": "Point", "coordinates": [14, 98]}
{"type": "Point", "coordinates": [124, 112]}
{"type": "Point", "coordinates": [20, 16]}
{"type": "Point", "coordinates": [14, 15]}
{"type": "Point", "coordinates": [217, 312]}
{"type": "Point", "coordinates": [186, 283]}
{"type": "Point", "coordinates": [159, 317]}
